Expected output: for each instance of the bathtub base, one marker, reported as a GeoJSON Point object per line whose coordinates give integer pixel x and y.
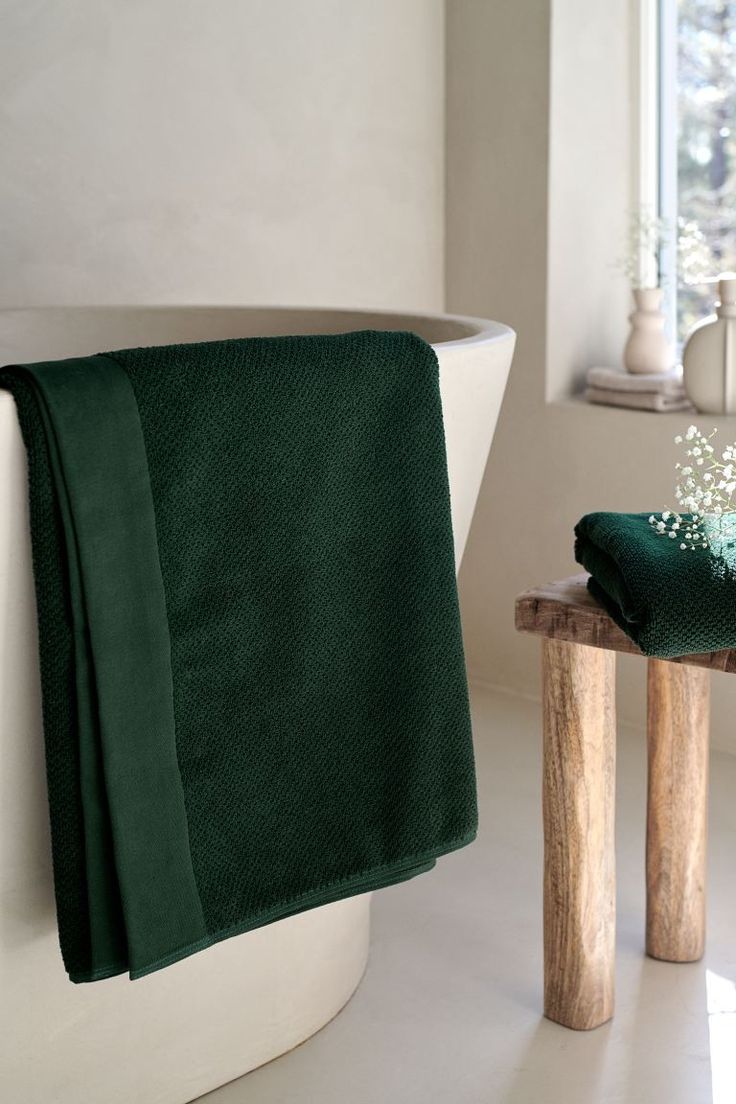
{"type": "Point", "coordinates": [177, 1034]}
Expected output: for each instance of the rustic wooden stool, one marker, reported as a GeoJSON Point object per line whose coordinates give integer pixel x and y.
{"type": "Point", "coordinates": [579, 722]}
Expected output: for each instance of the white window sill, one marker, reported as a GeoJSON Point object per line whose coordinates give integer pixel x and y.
{"type": "Point", "coordinates": [576, 407]}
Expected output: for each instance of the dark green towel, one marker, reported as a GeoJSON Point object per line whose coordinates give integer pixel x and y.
{"type": "Point", "coordinates": [670, 601]}
{"type": "Point", "coordinates": [254, 690]}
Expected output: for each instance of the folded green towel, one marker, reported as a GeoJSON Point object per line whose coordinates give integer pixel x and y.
{"type": "Point", "coordinates": [670, 601]}
{"type": "Point", "coordinates": [253, 682]}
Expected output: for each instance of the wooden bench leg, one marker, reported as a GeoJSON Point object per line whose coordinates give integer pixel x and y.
{"type": "Point", "coordinates": [578, 811]}
{"type": "Point", "coordinates": [678, 708]}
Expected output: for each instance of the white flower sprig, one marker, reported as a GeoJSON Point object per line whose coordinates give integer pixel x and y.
{"type": "Point", "coordinates": [706, 491]}
{"type": "Point", "coordinates": [646, 236]}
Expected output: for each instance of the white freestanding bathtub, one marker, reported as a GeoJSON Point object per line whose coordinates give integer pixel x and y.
{"type": "Point", "coordinates": [179, 1033]}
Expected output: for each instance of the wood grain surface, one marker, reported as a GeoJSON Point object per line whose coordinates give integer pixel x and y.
{"type": "Point", "coordinates": [578, 813]}
{"type": "Point", "coordinates": [678, 707]}
{"type": "Point", "coordinates": [566, 610]}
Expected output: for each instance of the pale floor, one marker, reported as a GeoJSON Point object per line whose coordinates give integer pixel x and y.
{"type": "Point", "coordinates": [449, 1010]}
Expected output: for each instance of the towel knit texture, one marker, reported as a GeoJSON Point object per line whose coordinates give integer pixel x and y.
{"type": "Point", "coordinates": [254, 690]}
{"type": "Point", "coordinates": [671, 602]}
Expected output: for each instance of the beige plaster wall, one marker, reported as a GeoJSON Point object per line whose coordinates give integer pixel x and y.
{"type": "Point", "coordinates": [173, 151]}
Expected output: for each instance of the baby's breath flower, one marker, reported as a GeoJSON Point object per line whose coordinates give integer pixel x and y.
{"type": "Point", "coordinates": [706, 496]}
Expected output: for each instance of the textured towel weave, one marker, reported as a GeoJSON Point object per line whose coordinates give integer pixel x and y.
{"type": "Point", "coordinates": [254, 690]}
{"type": "Point", "coordinates": [669, 601]}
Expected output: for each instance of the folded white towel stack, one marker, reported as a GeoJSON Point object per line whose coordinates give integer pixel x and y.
{"type": "Point", "coordinates": [660, 392]}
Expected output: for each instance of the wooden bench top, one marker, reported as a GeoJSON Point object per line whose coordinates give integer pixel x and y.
{"type": "Point", "coordinates": [566, 610]}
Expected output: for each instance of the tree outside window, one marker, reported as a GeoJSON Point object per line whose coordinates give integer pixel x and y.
{"type": "Point", "coordinates": [706, 152]}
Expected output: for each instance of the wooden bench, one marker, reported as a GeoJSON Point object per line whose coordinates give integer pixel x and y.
{"type": "Point", "coordinates": [579, 646]}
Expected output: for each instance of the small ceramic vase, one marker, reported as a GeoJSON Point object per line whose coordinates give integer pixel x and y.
{"type": "Point", "coordinates": [709, 355]}
{"type": "Point", "coordinates": [647, 349]}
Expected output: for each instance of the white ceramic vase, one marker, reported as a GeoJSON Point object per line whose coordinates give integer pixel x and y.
{"type": "Point", "coordinates": [709, 355]}
{"type": "Point", "coordinates": [647, 349]}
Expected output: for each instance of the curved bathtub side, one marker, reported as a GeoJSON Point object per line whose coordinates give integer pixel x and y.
{"type": "Point", "coordinates": [473, 376]}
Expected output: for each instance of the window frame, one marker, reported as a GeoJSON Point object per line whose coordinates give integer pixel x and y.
{"type": "Point", "coordinates": [666, 149]}
{"type": "Point", "coordinates": [655, 158]}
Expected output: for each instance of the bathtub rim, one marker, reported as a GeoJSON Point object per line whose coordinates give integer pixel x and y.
{"type": "Point", "coordinates": [481, 331]}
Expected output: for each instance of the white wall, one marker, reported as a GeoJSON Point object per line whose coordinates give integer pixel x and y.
{"type": "Point", "coordinates": [590, 177]}
{"type": "Point", "coordinates": [538, 179]}
{"type": "Point", "coordinates": [174, 151]}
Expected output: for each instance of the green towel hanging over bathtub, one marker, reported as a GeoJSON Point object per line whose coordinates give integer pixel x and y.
{"type": "Point", "coordinates": [253, 681]}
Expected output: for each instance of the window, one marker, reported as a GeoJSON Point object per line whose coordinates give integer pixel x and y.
{"type": "Point", "coordinates": [697, 147]}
